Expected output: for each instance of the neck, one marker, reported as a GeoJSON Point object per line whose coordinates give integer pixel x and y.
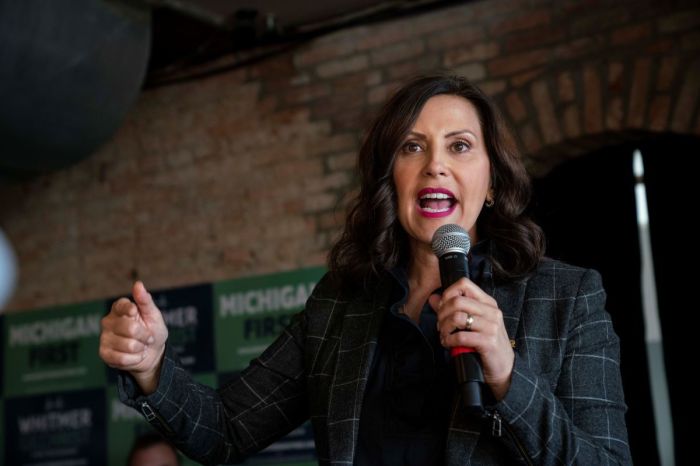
{"type": "Point", "coordinates": [424, 269]}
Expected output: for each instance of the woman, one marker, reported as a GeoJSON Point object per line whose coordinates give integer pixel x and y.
{"type": "Point", "coordinates": [367, 359]}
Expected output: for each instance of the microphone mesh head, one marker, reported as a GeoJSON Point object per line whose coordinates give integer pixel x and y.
{"type": "Point", "coordinates": [450, 238]}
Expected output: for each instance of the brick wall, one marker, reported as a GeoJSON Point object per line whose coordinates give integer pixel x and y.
{"type": "Point", "coordinates": [247, 172]}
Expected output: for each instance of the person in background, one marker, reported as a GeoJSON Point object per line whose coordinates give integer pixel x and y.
{"type": "Point", "coordinates": [151, 449]}
{"type": "Point", "coordinates": [368, 361]}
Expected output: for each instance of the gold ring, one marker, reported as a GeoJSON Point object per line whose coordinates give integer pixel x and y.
{"type": "Point", "coordinates": [470, 321]}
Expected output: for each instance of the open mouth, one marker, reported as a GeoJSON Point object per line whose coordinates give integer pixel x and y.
{"type": "Point", "coordinates": [436, 201]}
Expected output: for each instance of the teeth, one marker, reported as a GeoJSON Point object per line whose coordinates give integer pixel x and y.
{"type": "Point", "coordinates": [435, 196]}
{"type": "Point", "coordinates": [435, 211]}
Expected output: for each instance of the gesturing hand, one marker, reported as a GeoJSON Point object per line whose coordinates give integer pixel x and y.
{"type": "Point", "coordinates": [487, 333]}
{"type": "Point", "coordinates": [133, 338]}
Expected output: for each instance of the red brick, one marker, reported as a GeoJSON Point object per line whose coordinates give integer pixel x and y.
{"type": "Point", "coordinates": [354, 81]}
{"type": "Point", "coordinates": [329, 182]}
{"type": "Point", "coordinates": [578, 7]}
{"type": "Point", "coordinates": [572, 125]}
{"type": "Point", "coordinates": [335, 143]}
{"type": "Point", "coordinates": [442, 19]}
{"type": "Point", "coordinates": [488, 10]}
{"type": "Point", "coordinates": [594, 20]}
{"type": "Point", "coordinates": [534, 38]}
{"type": "Point", "coordinates": [687, 100]}
{"type": "Point", "coordinates": [476, 52]}
{"type": "Point", "coordinates": [459, 37]}
{"type": "Point", "coordinates": [531, 139]}
{"type": "Point", "coordinates": [403, 71]}
{"type": "Point", "coordinates": [273, 68]}
{"type": "Point", "coordinates": [659, 110]}
{"type": "Point", "coordinates": [680, 21]}
{"type": "Point", "coordinates": [514, 63]}
{"type": "Point", "coordinates": [525, 21]}
{"type": "Point", "coordinates": [320, 202]}
{"type": "Point", "coordinates": [616, 75]}
{"type": "Point", "coordinates": [691, 41]}
{"type": "Point", "coordinates": [593, 100]}
{"type": "Point", "coordinates": [330, 221]}
{"type": "Point", "coordinates": [541, 101]}
{"type": "Point", "coordinates": [396, 52]}
{"type": "Point", "coordinates": [342, 161]}
{"type": "Point", "coordinates": [661, 46]}
{"type": "Point", "coordinates": [350, 120]}
{"type": "Point", "coordinates": [382, 35]}
{"type": "Point", "coordinates": [522, 79]}
{"type": "Point", "coordinates": [516, 107]}
{"type": "Point", "coordinates": [342, 65]}
{"type": "Point", "coordinates": [567, 90]}
{"type": "Point", "coordinates": [614, 114]}
{"type": "Point", "coordinates": [579, 48]}
{"type": "Point", "coordinates": [379, 94]}
{"type": "Point", "coordinates": [315, 52]}
{"type": "Point", "coordinates": [473, 72]}
{"type": "Point", "coordinates": [338, 103]}
{"type": "Point", "coordinates": [639, 94]}
{"type": "Point", "coordinates": [373, 78]}
{"type": "Point", "coordinates": [307, 93]}
{"type": "Point", "coordinates": [631, 34]}
{"type": "Point", "coordinates": [493, 87]}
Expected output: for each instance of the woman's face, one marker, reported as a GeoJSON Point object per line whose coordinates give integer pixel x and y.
{"type": "Point", "coordinates": [442, 170]}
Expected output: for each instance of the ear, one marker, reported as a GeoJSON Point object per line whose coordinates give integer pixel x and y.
{"type": "Point", "coordinates": [489, 198]}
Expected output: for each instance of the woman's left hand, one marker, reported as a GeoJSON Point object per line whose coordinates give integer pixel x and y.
{"type": "Point", "coordinates": [487, 335]}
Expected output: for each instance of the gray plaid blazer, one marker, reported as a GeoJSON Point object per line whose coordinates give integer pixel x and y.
{"type": "Point", "coordinates": [565, 403]}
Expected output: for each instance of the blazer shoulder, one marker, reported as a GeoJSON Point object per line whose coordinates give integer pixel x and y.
{"type": "Point", "coordinates": [568, 279]}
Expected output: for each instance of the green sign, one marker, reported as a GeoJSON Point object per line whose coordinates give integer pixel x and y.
{"type": "Point", "coordinates": [53, 350]}
{"type": "Point", "coordinates": [250, 313]}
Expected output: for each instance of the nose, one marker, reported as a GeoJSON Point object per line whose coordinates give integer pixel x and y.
{"type": "Point", "coordinates": [435, 164]}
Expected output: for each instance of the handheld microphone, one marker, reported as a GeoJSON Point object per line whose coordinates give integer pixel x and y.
{"type": "Point", "coordinates": [451, 244]}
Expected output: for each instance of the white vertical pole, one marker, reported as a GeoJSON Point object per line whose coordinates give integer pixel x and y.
{"type": "Point", "coordinates": [652, 334]}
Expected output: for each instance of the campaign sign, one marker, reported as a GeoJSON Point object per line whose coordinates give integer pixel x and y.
{"type": "Point", "coordinates": [56, 429]}
{"type": "Point", "coordinates": [53, 350]}
{"type": "Point", "coordinates": [187, 312]}
{"type": "Point", "coordinates": [251, 312]}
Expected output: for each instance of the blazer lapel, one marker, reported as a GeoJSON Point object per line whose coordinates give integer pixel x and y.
{"type": "Point", "coordinates": [358, 341]}
{"type": "Point", "coordinates": [464, 430]}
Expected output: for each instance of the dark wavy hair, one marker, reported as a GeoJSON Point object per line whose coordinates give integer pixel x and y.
{"type": "Point", "coordinates": [373, 239]}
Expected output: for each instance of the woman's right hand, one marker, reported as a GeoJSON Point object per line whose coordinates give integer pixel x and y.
{"type": "Point", "coordinates": [133, 338]}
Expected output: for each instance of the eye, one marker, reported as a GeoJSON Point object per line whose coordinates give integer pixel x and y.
{"type": "Point", "coordinates": [461, 146]}
{"type": "Point", "coordinates": [411, 147]}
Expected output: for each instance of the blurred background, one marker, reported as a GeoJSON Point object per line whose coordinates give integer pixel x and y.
{"type": "Point", "coordinates": [190, 141]}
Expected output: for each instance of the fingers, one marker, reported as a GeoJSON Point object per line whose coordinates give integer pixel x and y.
{"type": "Point", "coordinates": [121, 352]}
{"type": "Point", "coordinates": [454, 312]}
{"type": "Point", "coordinates": [120, 360]}
{"type": "Point", "coordinates": [124, 320]}
{"type": "Point", "coordinates": [466, 287]}
{"type": "Point", "coordinates": [144, 300]}
{"type": "Point", "coordinates": [124, 307]}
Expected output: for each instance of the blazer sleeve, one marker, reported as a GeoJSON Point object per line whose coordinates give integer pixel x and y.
{"type": "Point", "coordinates": [258, 406]}
{"type": "Point", "coordinates": [581, 420]}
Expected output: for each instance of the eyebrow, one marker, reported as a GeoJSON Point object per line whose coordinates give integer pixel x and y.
{"type": "Point", "coordinates": [448, 135]}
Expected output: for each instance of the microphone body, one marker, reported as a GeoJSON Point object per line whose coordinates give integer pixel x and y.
{"type": "Point", "coordinates": [451, 244]}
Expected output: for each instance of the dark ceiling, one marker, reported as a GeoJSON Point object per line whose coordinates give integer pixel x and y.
{"type": "Point", "coordinates": [188, 34]}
